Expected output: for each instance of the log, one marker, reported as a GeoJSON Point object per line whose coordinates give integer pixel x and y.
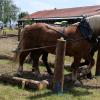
{"type": "Point", "coordinates": [59, 66]}
{"type": "Point", "coordinates": [25, 83]}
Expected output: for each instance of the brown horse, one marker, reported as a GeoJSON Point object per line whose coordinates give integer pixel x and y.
{"type": "Point", "coordinates": [93, 22]}
{"type": "Point", "coordinates": [43, 35]}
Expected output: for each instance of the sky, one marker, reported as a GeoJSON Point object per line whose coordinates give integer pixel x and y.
{"type": "Point", "coordinates": [32, 6]}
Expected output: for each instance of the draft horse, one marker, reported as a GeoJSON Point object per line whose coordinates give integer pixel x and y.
{"type": "Point", "coordinates": [89, 25]}
{"type": "Point", "coordinates": [41, 34]}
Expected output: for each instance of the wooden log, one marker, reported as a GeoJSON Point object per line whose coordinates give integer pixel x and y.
{"type": "Point", "coordinates": [28, 83]}
{"type": "Point", "coordinates": [59, 66]}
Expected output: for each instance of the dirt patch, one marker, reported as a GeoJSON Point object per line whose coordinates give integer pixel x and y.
{"type": "Point", "coordinates": [7, 45]}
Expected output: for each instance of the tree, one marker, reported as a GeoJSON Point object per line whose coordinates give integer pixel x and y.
{"type": "Point", "coordinates": [8, 11]}
{"type": "Point", "coordinates": [23, 14]}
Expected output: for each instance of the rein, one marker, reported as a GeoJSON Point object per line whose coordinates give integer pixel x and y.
{"type": "Point", "coordinates": [49, 46]}
{"type": "Point", "coordinates": [37, 48]}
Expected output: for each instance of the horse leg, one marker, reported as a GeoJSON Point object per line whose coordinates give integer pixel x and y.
{"type": "Point", "coordinates": [87, 62]}
{"type": "Point", "coordinates": [97, 72]}
{"type": "Point", "coordinates": [91, 64]}
{"type": "Point", "coordinates": [75, 66]}
{"type": "Point", "coordinates": [35, 58]}
{"type": "Point", "coordinates": [22, 57]}
{"type": "Point", "coordinates": [90, 61]}
{"type": "Point", "coordinates": [45, 58]}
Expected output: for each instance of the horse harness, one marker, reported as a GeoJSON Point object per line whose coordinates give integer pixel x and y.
{"type": "Point", "coordinates": [86, 32]}
{"type": "Point", "coordinates": [84, 29]}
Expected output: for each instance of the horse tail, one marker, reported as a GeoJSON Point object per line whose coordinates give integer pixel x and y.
{"type": "Point", "coordinates": [17, 50]}
{"type": "Point", "coordinates": [20, 45]}
{"type": "Point", "coordinates": [16, 54]}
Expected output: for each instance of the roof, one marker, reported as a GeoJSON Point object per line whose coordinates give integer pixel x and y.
{"type": "Point", "coordinates": [66, 12]}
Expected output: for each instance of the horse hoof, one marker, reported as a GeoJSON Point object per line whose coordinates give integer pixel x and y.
{"type": "Point", "coordinates": [89, 76]}
{"type": "Point", "coordinates": [77, 83]}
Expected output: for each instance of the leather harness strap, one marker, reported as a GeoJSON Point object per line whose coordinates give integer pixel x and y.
{"type": "Point", "coordinates": [61, 32]}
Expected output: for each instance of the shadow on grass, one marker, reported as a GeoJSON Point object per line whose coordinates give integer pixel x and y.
{"type": "Point", "coordinates": [72, 92]}
{"type": "Point", "coordinates": [69, 90]}
{"type": "Point", "coordinates": [39, 96]}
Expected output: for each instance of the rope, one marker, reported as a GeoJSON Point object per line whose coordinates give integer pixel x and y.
{"type": "Point", "coordinates": [37, 48]}
{"type": "Point", "coordinates": [67, 41]}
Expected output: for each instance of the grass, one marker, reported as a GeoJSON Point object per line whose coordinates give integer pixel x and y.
{"type": "Point", "coordinates": [10, 92]}
{"type": "Point", "coordinates": [8, 31]}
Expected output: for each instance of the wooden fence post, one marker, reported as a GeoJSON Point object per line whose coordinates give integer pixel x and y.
{"type": "Point", "coordinates": [19, 31]}
{"type": "Point", "coordinates": [58, 78]}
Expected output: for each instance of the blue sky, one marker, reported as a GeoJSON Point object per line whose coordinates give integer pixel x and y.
{"type": "Point", "coordinates": [37, 5]}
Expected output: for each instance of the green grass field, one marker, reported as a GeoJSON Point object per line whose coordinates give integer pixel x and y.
{"type": "Point", "coordinates": [10, 92]}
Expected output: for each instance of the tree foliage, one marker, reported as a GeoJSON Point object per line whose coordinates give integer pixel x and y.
{"type": "Point", "coordinates": [23, 14]}
{"type": "Point", "coordinates": [8, 10]}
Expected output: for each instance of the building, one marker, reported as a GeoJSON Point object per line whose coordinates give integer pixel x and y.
{"type": "Point", "coordinates": [68, 14]}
